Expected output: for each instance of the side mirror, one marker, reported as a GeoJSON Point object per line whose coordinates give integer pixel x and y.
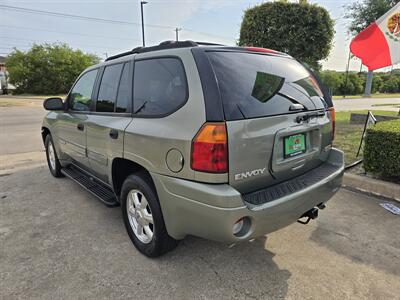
{"type": "Point", "coordinates": [53, 104]}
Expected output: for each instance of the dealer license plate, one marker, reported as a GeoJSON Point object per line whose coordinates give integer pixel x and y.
{"type": "Point", "coordinates": [294, 145]}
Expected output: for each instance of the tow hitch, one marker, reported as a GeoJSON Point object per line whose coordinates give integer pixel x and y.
{"type": "Point", "coordinates": [310, 215]}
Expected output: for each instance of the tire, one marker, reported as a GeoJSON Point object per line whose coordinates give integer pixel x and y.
{"type": "Point", "coordinates": [54, 164]}
{"type": "Point", "coordinates": [137, 186]}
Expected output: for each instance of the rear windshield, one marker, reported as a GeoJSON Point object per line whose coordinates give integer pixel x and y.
{"type": "Point", "coordinates": [255, 85]}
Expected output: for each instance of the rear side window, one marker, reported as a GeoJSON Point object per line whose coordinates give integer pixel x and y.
{"type": "Point", "coordinates": [80, 98]}
{"type": "Point", "coordinates": [254, 85]}
{"type": "Point", "coordinates": [108, 88]}
{"type": "Point", "coordinates": [160, 86]}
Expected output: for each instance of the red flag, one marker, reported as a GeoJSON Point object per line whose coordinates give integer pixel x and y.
{"type": "Point", "coordinates": [378, 45]}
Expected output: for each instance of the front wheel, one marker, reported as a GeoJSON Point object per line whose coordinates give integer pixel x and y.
{"type": "Point", "coordinates": [52, 159]}
{"type": "Point", "coordinates": [143, 217]}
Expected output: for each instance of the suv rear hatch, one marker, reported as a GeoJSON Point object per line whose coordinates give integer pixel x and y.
{"type": "Point", "coordinates": [278, 122]}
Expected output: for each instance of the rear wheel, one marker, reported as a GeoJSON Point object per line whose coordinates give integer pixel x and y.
{"type": "Point", "coordinates": [143, 217]}
{"type": "Point", "coordinates": [52, 159]}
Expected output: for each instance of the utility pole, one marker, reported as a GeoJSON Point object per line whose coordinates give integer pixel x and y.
{"type": "Point", "coordinates": [347, 76]}
{"type": "Point", "coordinates": [141, 10]}
{"type": "Point", "coordinates": [176, 33]}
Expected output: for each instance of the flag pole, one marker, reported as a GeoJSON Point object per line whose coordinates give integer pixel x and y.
{"type": "Point", "coordinates": [368, 84]}
{"type": "Point", "coordinates": [347, 75]}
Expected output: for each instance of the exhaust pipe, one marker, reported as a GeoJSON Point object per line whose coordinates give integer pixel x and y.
{"type": "Point", "coordinates": [310, 215]}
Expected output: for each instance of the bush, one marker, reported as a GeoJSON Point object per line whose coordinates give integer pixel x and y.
{"type": "Point", "coordinates": [302, 30]}
{"type": "Point", "coordinates": [333, 80]}
{"type": "Point", "coordinates": [47, 69]}
{"type": "Point", "coordinates": [381, 83]}
{"type": "Point", "coordinates": [336, 82]}
{"type": "Point", "coordinates": [382, 149]}
{"type": "Point", "coordinates": [355, 84]}
{"type": "Point", "coordinates": [391, 85]}
{"type": "Point", "coordinates": [377, 83]}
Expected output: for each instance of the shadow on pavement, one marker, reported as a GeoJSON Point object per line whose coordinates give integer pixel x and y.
{"type": "Point", "coordinates": [60, 242]}
{"type": "Point", "coordinates": [247, 269]}
{"type": "Point", "coordinates": [364, 232]}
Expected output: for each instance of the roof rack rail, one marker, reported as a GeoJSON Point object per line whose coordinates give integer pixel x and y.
{"type": "Point", "coordinates": [208, 44]}
{"type": "Point", "coordinates": [162, 46]}
{"type": "Point", "coordinates": [123, 54]}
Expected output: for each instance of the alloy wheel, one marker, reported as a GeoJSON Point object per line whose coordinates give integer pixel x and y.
{"type": "Point", "coordinates": [140, 216]}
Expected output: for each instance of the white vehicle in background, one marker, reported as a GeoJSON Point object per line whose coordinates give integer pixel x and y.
{"type": "Point", "coordinates": [5, 87]}
{"type": "Point", "coordinates": [3, 83]}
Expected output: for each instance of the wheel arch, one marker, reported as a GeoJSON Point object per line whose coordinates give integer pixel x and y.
{"type": "Point", "coordinates": [45, 132]}
{"type": "Point", "coordinates": [121, 169]}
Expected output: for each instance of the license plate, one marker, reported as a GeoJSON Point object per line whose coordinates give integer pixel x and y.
{"type": "Point", "coordinates": [294, 145]}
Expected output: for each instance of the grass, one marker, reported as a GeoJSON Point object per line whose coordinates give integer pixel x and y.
{"type": "Point", "coordinates": [348, 136]}
{"type": "Point", "coordinates": [23, 100]}
{"type": "Point", "coordinates": [8, 103]}
{"type": "Point", "coordinates": [387, 104]}
{"type": "Point", "coordinates": [37, 97]}
{"type": "Point", "coordinates": [395, 95]}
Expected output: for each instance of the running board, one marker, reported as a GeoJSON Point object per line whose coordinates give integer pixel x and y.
{"type": "Point", "coordinates": [98, 189]}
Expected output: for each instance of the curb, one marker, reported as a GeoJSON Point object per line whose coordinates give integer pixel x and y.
{"type": "Point", "coordinates": [372, 186]}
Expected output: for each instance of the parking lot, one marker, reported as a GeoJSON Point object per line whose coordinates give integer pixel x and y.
{"type": "Point", "coordinates": [59, 242]}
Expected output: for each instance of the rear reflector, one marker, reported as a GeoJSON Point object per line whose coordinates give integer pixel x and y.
{"type": "Point", "coordinates": [210, 149]}
{"type": "Point", "coordinates": [333, 117]}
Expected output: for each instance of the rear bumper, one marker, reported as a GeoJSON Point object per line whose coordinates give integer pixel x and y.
{"type": "Point", "coordinates": [210, 211]}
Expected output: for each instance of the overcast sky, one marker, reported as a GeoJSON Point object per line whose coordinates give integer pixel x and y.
{"type": "Point", "coordinates": [202, 20]}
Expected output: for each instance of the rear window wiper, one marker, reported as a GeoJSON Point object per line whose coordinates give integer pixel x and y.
{"type": "Point", "coordinates": [309, 115]}
{"type": "Point", "coordinates": [294, 101]}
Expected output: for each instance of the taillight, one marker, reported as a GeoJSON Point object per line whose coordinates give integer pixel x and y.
{"type": "Point", "coordinates": [210, 149]}
{"type": "Point", "coordinates": [333, 117]}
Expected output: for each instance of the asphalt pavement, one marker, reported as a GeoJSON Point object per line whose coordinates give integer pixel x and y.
{"type": "Point", "coordinates": [20, 129]}
{"type": "Point", "coordinates": [57, 241]}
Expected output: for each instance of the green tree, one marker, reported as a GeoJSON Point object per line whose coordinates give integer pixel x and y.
{"type": "Point", "coordinates": [391, 85]}
{"type": "Point", "coordinates": [304, 30]}
{"type": "Point", "coordinates": [355, 84]}
{"type": "Point", "coordinates": [47, 68]}
{"type": "Point", "coordinates": [388, 82]}
{"type": "Point", "coordinates": [362, 13]}
{"type": "Point", "coordinates": [333, 80]}
{"type": "Point", "coordinates": [377, 84]}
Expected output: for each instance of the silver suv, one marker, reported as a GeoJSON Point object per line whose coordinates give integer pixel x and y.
{"type": "Point", "coordinates": [223, 143]}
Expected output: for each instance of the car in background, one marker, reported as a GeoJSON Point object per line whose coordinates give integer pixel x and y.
{"type": "Point", "coordinates": [5, 86]}
{"type": "Point", "coordinates": [3, 83]}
